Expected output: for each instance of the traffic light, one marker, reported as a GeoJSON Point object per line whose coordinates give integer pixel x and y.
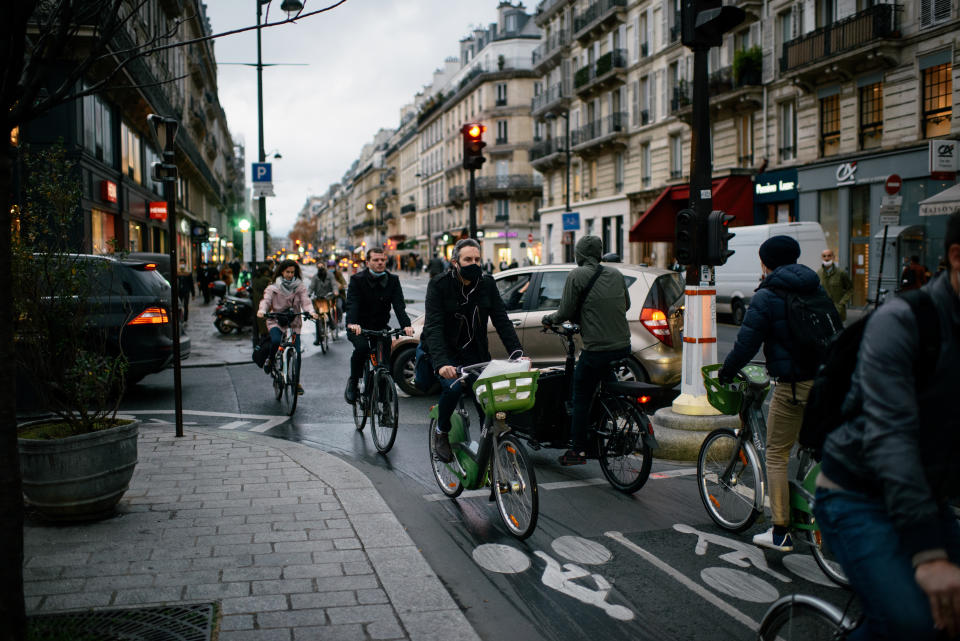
{"type": "Point", "coordinates": [703, 22]}
{"type": "Point", "coordinates": [686, 245]}
{"type": "Point", "coordinates": [718, 235]}
{"type": "Point", "coordinates": [473, 145]}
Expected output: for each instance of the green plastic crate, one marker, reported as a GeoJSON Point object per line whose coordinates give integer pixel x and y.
{"type": "Point", "coordinates": [513, 392]}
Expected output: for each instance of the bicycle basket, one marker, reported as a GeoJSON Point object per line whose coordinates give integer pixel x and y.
{"type": "Point", "coordinates": [726, 399]}
{"type": "Point", "coordinates": [509, 392]}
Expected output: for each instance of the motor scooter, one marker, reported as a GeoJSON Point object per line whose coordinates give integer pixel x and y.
{"type": "Point", "coordinates": [232, 313]}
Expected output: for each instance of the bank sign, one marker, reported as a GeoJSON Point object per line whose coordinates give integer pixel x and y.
{"type": "Point", "coordinates": [944, 159]}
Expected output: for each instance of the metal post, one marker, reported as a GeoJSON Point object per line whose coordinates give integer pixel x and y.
{"type": "Point", "coordinates": [473, 204]}
{"type": "Point", "coordinates": [262, 223]}
{"type": "Point", "coordinates": [170, 194]}
{"type": "Point", "coordinates": [883, 255]}
{"type": "Point", "coordinates": [566, 118]}
{"type": "Point", "coordinates": [701, 167]}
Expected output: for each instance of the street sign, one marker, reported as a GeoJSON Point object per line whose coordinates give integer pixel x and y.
{"type": "Point", "coordinates": [893, 184]}
{"type": "Point", "coordinates": [529, 238]}
{"type": "Point", "coordinates": [261, 190]}
{"type": "Point", "coordinates": [258, 241]}
{"type": "Point", "coordinates": [890, 210]}
{"type": "Point", "coordinates": [262, 173]}
{"type": "Point", "coordinates": [571, 221]}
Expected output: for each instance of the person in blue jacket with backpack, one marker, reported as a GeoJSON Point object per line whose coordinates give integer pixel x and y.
{"type": "Point", "coordinates": [777, 307]}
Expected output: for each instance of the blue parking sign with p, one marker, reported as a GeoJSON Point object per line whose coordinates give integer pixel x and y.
{"type": "Point", "coordinates": [262, 172]}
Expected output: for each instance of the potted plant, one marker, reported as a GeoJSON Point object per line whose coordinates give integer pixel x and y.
{"type": "Point", "coordinates": [748, 66]}
{"type": "Point", "coordinates": [76, 462]}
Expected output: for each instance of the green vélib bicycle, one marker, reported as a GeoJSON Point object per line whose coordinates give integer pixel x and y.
{"type": "Point", "coordinates": [731, 464]}
{"type": "Point", "coordinates": [498, 459]}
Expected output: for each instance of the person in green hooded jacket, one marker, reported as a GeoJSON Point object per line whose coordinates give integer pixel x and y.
{"type": "Point", "coordinates": [603, 327]}
{"type": "Point", "coordinates": [836, 282]}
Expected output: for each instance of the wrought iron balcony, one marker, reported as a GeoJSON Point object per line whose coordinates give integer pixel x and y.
{"type": "Point", "coordinates": [681, 97]}
{"type": "Point", "coordinates": [609, 69]}
{"type": "Point", "coordinates": [869, 28]}
{"type": "Point", "coordinates": [508, 184]}
{"type": "Point", "coordinates": [546, 10]}
{"type": "Point", "coordinates": [548, 53]}
{"type": "Point", "coordinates": [597, 17]}
{"type": "Point", "coordinates": [456, 195]}
{"type": "Point", "coordinates": [554, 97]}
{"type": "Point", "coordinates": [549, 152]}
{"type": "Point", "coordinates": [406, 209]}
{"type": "Point", "coordinates": [601, 132]}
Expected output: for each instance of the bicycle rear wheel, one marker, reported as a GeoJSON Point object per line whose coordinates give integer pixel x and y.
{"type": "Point", "coordinates": [360, 407]}
{"type": "Point", "coordinates": [449, 481]}
{"type": "Point", "coordinates": [625, 457]}
{"type": "Point", "coordinates": [322, 333]}
{"type": "Point", "coordinates": [733, 500]}
{"type": "Point", "coordinates": [384, 412]}
{"type": "Point", "coordinates": [278, 375]}
{"type": "Point", "coordinates": [799, 617]}
{"type": "Point", "coordinates": [515, 487]}
{"type": "Point", "coordinates": [291, 371]}
{"type": "Point", "coordinates": [825, 559]}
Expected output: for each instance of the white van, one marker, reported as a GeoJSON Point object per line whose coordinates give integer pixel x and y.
{"type": "Point", "coordinates": [737, 279]}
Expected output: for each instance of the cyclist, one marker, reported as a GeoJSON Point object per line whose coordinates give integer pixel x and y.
{"type": "Point", "coordinates": [341, 286]}
{"type": "Point", "coordinates": [766, 322]}
{"type": "Point", "coordinates": [323, 286]}
{"type": "Point", "coordinates": [889, 470]}
{"type": "Point", "coordinates": [458, 304]}
{"type": "Point", "coordinates": [371, 294]}
{"type": "Point", "coordinates": [286, 291]}
{"type": "Point", "coordinates": [603, 327]}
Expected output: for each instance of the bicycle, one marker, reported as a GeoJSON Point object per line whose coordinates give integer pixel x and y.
{"type": "Point", "coordinates": [286, 361]}
{"type": "Point", "coordinates": [730, 466]}
{"type": "Point", "coordinates": [498, 459]}
{"type": "Point", "coordinates": [806, 617]}
{"type": "Point", "coordinates": [377, 393]}
{"type": "Point", "coordinates": [325, 308]}
{"type": "Point", "coordinates": [620, 431]}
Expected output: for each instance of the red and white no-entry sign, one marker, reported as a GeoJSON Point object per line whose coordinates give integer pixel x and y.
{"type": "Point", "coordinates": [893, 184]}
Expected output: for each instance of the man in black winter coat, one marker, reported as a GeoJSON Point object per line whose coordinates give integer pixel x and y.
{"type": "Point", "coordinates": [370, 295]}
{"type": "Point", "coordinates": [766, 323]}
{"type": "Point", "coordinates": [458, 305]}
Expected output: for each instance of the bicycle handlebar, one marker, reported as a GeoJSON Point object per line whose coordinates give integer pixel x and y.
{"type": "Point", "coordinates": [565, 328]}
{"type": "Point", "coordinates": [382, 333]}
{"type": "Point", "coordinates": [287, 314]}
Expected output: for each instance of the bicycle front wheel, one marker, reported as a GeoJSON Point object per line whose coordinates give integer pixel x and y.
{"type": "Point", "coordinates": [799, 617]}
{"type": "Point", "coordinates": [384, 412]}
{"type": "Point", "coordinates": [825, 559]}
{"type": "Point", "coordinates": [360, 406]}
{"type": "Point", "coordinates": [730, 480]}
{"type": "Point", "coordinates": [449, 481]}
{"type": "Point", "coordinates": [625, 457]}
{"type": "Point", "coordinates": [291, 372]}
{"type": "Point", "coordinates": [515, 487]}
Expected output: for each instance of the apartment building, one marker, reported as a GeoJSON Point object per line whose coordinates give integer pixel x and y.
{"type": "Point", "coordinates": [122, 207]}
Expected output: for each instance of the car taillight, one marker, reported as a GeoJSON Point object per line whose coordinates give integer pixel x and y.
{"type": "Point", "coordinates": [151, 316]}
{"type": "Point", "coordinates": [655, 320]}
{"type": "Point", "coordinates": [150, 267]}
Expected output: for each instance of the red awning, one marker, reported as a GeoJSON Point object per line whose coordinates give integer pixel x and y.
{"type": "Point", "coordinates": [732, 194]}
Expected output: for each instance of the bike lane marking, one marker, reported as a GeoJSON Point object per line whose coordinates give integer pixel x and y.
{"type": "Point", "coordinates": [681, 578]}
{"type": "Point", "coordinates": [268, 422]}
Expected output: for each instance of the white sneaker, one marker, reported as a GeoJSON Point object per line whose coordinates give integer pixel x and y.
{"type": "Point", "coordinates": [768, 540]}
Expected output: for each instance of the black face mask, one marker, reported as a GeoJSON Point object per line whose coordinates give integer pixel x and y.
{"type": "Point", "coordinates": [471, 273]}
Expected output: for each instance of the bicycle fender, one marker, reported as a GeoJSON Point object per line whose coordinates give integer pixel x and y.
{"type": "Point", "coordinates": [435, 412]}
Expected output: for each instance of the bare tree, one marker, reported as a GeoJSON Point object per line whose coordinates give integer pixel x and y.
{"type": "Point", "coordinates": [42, 68]}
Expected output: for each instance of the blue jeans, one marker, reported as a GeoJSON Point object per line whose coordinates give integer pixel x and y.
{"type": "Point", "coordinates": [591, 368]}
{"type": "Point", "coordinates": [451, 389]}
{"type": "Point", "coordinates": [863, 539]}
{"type": "Point", "coordinates": [276, 337]}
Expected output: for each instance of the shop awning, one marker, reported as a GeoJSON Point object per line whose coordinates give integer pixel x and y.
{"type": "Point", "coordinates": [946, 202]}
{"type": "Point", "coordinates": [732, 194]}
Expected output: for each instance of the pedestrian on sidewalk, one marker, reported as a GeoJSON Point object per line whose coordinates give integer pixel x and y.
{"type": "Point", "coordinates": [836, 282]}
{"type": "Point", "coordinates": [204, 280]}
{"type": "Point", "coordinates": [185, 289]}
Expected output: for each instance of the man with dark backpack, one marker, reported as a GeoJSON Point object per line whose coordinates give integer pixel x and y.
{"type": "Point", "coordinates": [794, 319]}
{"type": "Point", "coordinates": [603, 327]}
{"type": "Point", "coordinates": [891, 467]}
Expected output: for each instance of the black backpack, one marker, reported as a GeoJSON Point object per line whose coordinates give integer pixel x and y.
{"type": "Point", "coordinates": [262, 350]}
{"type": "Point", "coordinates": [813, 321]}
{"type": "Point", "coordinates": [826, 409]}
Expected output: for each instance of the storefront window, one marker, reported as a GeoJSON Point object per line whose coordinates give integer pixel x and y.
{"type": "Point", "coordinates": [860, 243]}
{"type": "Point", "coordinates": [829, 217]}
{"type": "Point", "coordinates": [102, 233]}
{"type": "Point", "coordinates": [135, 232]}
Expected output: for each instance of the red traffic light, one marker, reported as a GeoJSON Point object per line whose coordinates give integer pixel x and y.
{"type": "Point", "coordinates": [474, 130]}
{"type": "Point", "coordinates": [473, 145]}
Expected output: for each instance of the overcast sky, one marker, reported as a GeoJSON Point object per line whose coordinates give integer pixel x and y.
{"type": "Point", "coordinates": [366, 59]}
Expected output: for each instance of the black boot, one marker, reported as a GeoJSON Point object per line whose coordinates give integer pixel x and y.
{"type": "Point", "coordinates": [441, 446]}
{"type": "Point", "coordinates": [350, 394]}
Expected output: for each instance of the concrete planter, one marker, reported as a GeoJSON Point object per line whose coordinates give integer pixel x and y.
{"type": "Point", "coordinates": [79, 477]}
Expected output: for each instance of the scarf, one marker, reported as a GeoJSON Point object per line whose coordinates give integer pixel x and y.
{"type": "Point", "coordinates": [289, 288]}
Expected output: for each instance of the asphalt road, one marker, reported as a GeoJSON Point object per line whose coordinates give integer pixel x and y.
{"type": "Point", "coordinates": [600, 564]}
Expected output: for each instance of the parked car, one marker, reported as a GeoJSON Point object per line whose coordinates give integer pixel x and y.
{"type": "Point", "coordinates": [132, 301]}
{"type": "Point", "coordinates": [530, 293]}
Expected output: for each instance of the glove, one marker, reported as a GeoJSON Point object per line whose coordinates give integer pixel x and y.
{"type": "Point", "coordinates": [724, 377]}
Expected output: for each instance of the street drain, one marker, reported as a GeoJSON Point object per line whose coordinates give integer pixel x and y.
{"type": "Point", "coordinates": [164, 623]}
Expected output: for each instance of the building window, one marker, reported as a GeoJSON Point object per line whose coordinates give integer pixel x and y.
{"type": "Point", "coordinates": [937, 100]}
{"type": "Point", "coordinates": [830, 125]}
{"type": "Point", "coordinates": [871, 115]}
{"type": "Point", "coordinates": [645, 164]}
{"type": "Point", "coordinates": [934, 12]}
{"type": "Point", "coordinates": [503, 210]}
{"type": "Point", "coordinates": [676, 157]}
{"type": "Point", "coordinates": [501, 132]}
{"type": "Point", "coordinates": [788, 131]}
{"type": "Point", "coordinates": [98, 129]}
{"type": "Point", "coordinates": [745, 140]}
{"type": "Point", "coordinates": [131, 163]}
{"type": "Point", "coordinates": [501, 94]}
{"type": "Point", "coordinates": [618, 173]}
{"type": "Point", "coordinates": [102, 232]}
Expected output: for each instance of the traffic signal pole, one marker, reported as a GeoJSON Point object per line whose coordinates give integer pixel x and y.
{"type": "Point", "coordinates": [473, 204]}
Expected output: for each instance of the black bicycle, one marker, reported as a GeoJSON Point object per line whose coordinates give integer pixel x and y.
{"type": "Point", "coordinates": [377, 393]}
{"type": "Point", "coordinates": [286, 362]}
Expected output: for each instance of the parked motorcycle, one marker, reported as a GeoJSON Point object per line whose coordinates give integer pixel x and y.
{"type": "Point", "coordinates": [233, 313]}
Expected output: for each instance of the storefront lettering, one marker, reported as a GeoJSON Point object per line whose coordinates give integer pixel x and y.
{"type": "Point", "coordinates": [846, 173]}
{"type": "Point", "coordinates": [108, 191]}
{"type": "Point", "coordinates": [779, 186]}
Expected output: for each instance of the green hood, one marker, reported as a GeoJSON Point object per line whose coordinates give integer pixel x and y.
{"type": "Point", "coordinates": [588, 250]}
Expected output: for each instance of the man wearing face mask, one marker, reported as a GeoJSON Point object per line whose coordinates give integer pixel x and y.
{"type": "Point", "coordinates": [836, 282]}
{"type": "Point", "coordinates": [595, 297]}
{"type": "Point", "coordinates": [370, 295]}
{"type": "Point", "coordinates": [458, 304]}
